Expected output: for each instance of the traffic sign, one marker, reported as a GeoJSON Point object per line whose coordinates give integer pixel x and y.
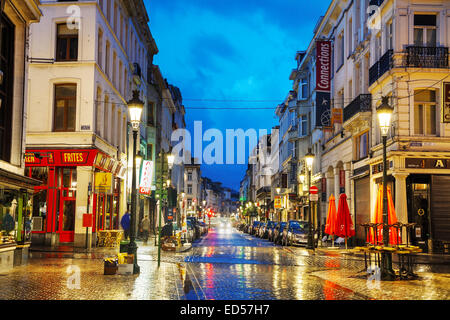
{"type": "Point", "coordinates": [314, 197]}
{"type": "Point", "coordinates": [313, 190]}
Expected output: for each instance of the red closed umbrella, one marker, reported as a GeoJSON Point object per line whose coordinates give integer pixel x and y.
{"type": "Point", "coordinates": [331, 217]}
{"type": "Point", "coordinates": [394, 237]}
{"type": "Point", "coordinates": [344, 223]}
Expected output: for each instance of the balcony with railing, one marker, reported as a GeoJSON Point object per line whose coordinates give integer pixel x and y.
{"type": "Point", "coordinates": [426, 57]}
{"type": "Point", "coordinates": [362, 103]}
{"type": "Point", "coordinates": [381, 66]}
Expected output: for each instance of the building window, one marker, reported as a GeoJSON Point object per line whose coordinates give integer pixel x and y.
{"type": "Point", "coordinates": [303, 130]}
{"type": "Point", "coordinates": [389, 32]}
{"type": "Point", "coordinates": [425, 112]}
{"type": "Point", "coordinates": [98, 118]}
{"type": "Point", "coordinates": [151, 110]}
{"type": "Point", "coordinates": [362, 146]}
{"type": "Point", "coordinates": [7, 34]}
{"type": "Point", "coordinates": [65, 107]}
{"type": "Point", "coordinates": [66, 43]}
{"type": "Point", "coordinates": [340, 50]}
{"type": "Point", "coordinates": [100, 49]}
{"type": "Point", "coordinates": [108, 54]}
{"type": "Point", "coordinates": [189, 189]}
{"type": "Point", "coordinates": [303, 89]}
{"type": "Point", "coordinates": [425, 30]}
{"type": "Point", "coordinates": [189, 176]}
{"type": "Point", "coordinates": [106, 119]}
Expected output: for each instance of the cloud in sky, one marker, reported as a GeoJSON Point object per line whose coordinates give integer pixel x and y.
{"type": "Point", "coordinates": [231, 50]}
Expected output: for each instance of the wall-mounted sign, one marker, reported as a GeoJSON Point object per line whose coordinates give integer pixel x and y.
{"type": "Point", "coordinates": [446, 102]}
{"type": "Point", "coordinates": [60, 158]}
{"type": "Point", "coordinates": [420, 163]}
{"type": "Point", "coordinates": [103, 182]}
{"type": "Point", "coordinates": [377, 168]}
{"type": "Point", "coordinates": [336, 115]}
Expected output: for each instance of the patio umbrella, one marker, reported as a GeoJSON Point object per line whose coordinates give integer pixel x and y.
{"type": "Point", "coordinates": [344, 223]}
{"type": "Point", "coordinates": [378, 218]}
{"type": "Point", "coordinates": [331, 218]}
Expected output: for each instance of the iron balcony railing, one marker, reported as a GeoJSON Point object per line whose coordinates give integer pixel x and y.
{"type": "Point", "coordinates": [426, 57]}
{"type": "Point", "coordinates": [381, 66]}
{"type": "Point", "coordinates": [361, 103]}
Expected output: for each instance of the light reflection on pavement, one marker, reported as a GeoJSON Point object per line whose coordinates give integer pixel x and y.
{"type": "Point", "coordinates": [223, 265]}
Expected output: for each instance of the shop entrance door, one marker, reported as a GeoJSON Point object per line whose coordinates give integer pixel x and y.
{"type": "Point", "coordinates": [419, 212]}
{"type": "Point", "coordinates": [66, 220]}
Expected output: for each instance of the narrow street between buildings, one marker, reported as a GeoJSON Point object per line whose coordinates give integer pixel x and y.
{"type": "Point", "coordinates": [226, 264]}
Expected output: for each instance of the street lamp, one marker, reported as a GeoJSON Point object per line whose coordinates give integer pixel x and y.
{"type": "Point", "coordinates": [135, 107]}
{"type": "Point", "coordinates": [164, 194]}
{"type": "Point", "coordinates": [384, 112]}
{"type": "Point", "coordinates": [309, 159]}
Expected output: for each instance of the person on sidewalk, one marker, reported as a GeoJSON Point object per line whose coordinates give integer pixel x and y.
{"type": "Point", "coordinates": [125, 223]}
{"type": "Point", "coordinates": [145, 228]}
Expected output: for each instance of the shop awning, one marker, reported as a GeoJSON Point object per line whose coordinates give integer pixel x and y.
{"type": "Point", "coordinates": [17, 181]}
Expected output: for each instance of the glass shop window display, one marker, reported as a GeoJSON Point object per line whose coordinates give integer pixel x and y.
{"type": "Point", "coordinates": [8, 212]}
{"type": "Point", "coordinates": [15, 216]}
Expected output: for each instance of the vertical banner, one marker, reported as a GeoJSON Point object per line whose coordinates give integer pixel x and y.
{"type": "Point", "coordinates": [342, 181]}
{"type": "Point", "coordinates": [324, 189]}
{"type": "Point", "coordinates": [145, 184]}
{"type": "Point", "coordinates": [446, 102]}
{"type": "Point", "coordinates": [323, 83]}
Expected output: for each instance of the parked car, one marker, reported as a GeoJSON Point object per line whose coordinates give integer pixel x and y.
{"type": "Point", "coordinates": [277, 233]}
{"type": "Point", "coordinates": [296, 232]}
{"type": "Point", "coordinates": [267, 227]}
{"type": "Point", "coordinates": [270, 231]}
{"type": "Point", "coordinates": [196, 226]}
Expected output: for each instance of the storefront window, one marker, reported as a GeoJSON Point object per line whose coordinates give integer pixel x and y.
{"type": "Point", "coordinates": [8, 213]}
{"type": "Point", "coordinates": [39, 210]}
{"type": "Point", "coordinates": [40, 173]}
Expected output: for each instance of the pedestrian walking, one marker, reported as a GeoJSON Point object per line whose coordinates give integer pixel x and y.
{"type": "Point", "coordinates": [145, 228]}
{"type": "Point", "coordinates": [125, 223]}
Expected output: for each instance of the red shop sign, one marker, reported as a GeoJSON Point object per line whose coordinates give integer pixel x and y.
{"type": "Point", "coordinates": [87, 220]}
{"type": "Point", "coordinates": [60, 158]}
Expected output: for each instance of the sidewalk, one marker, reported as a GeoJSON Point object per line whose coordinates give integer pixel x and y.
{"type": "Point", "coordinates": [421, 258]}
{"type": "Point", "coordinates": [67, 251]}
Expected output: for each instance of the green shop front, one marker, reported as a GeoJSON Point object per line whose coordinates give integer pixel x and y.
{"type": "Point", "coordinates": [16, 192]}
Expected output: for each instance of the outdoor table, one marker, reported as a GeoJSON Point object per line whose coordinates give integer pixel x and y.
{"type": "Point", "coordinates": [109, 238]}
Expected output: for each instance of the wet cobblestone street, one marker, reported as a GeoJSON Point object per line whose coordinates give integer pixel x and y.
{"type": "Point", "coordinates": [223, 265]}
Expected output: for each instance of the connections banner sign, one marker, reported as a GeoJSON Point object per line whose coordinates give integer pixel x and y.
{"type": "Point", "coordinates": [323, 83]}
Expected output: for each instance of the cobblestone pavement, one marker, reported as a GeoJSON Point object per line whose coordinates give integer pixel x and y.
{"type": "Point", "coordinates": [223, 265]}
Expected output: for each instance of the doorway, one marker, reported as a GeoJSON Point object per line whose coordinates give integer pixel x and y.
{"type": "Point", "coordinates": [418, 188]}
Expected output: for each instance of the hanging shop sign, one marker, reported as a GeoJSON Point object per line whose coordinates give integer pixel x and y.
{"type": "Point", "coordinates": [341, 181]}
{"type": "Point", "coordinates": [420, 163]}
{"type": "Point", "coordinates": [277, 202]}
{"type": "Point", "coordinates": [323, 83]}
{"type": "Point", "coordinates": [324, 189]}
{"type": "Point", "coordinates": [446, 102]}
{"type": "Point", "coordinates": [145, 185]}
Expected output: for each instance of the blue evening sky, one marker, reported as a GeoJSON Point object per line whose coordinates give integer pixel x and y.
{"type": "Point", "coordinates": [231, 50]}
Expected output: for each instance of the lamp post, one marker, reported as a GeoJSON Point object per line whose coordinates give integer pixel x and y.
{"type": "Point", "coordinates": [309, 159]}
{"type": "Point", "coordinates": [135, 107]}
{"type": "Point", "coordinates": [384, 112]}
{"type": "Point", "coordinates": [163, 194]}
